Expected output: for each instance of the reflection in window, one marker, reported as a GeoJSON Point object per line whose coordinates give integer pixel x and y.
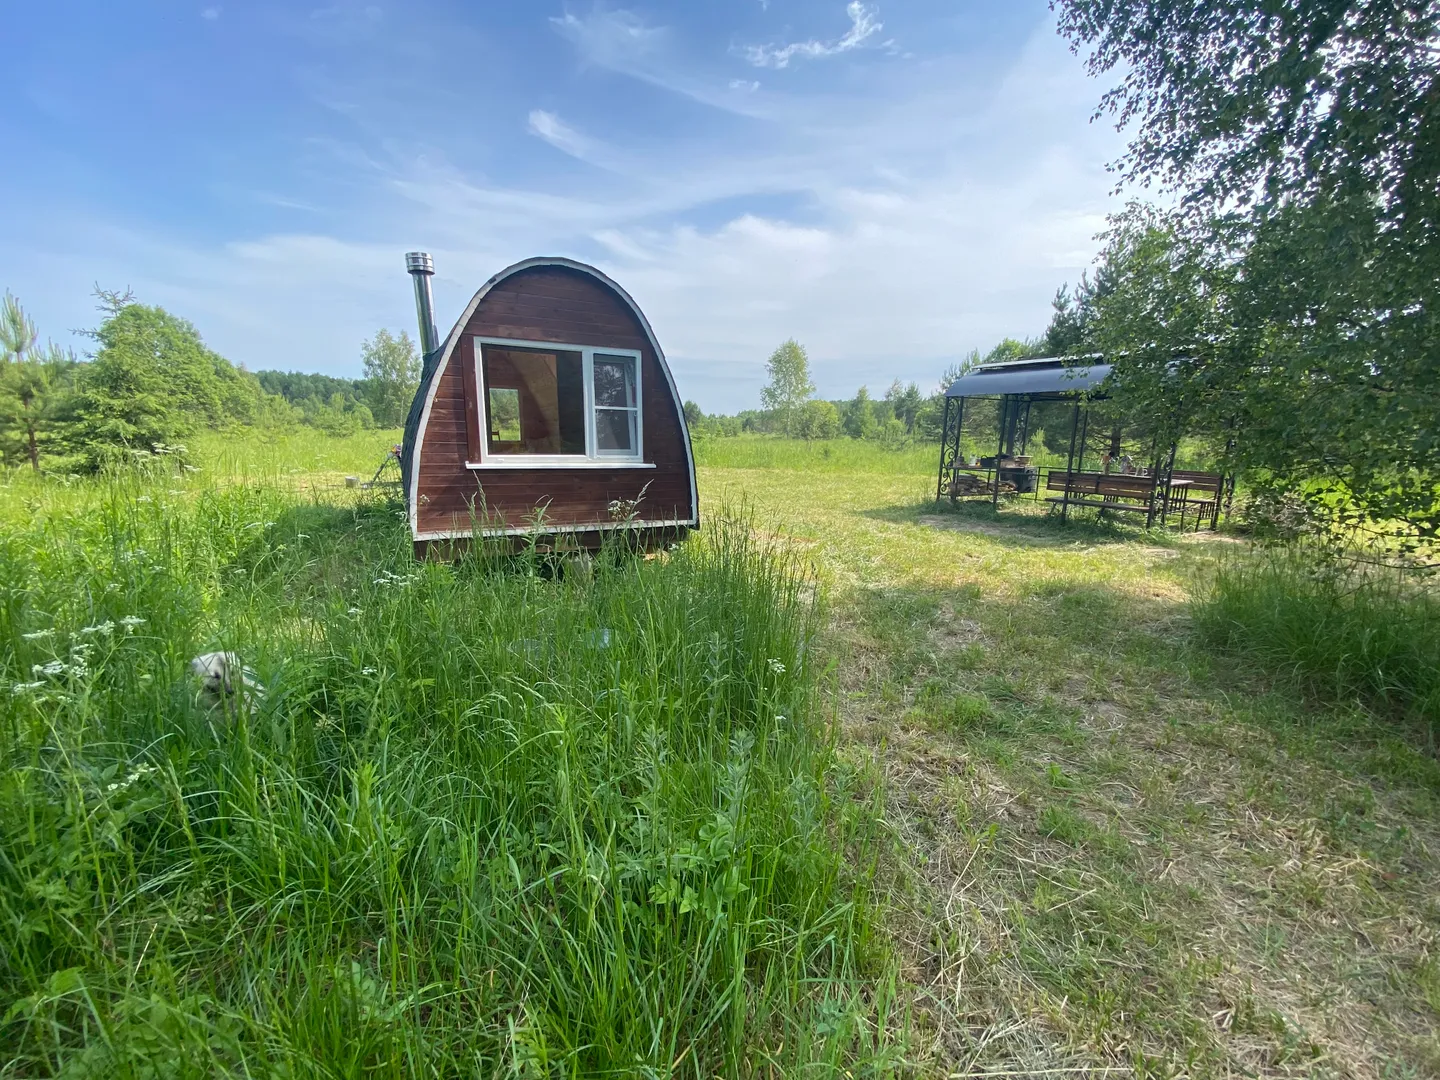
{"type": "Point", "coordinates": [535, 400]}
{"type": "Point", "coordinates": [504, 415]}
{"type": "Point", "coordinates": [617, 411]}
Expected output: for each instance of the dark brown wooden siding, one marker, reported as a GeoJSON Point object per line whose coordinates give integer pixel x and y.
{"type": "Point", "coordinates": [564, 306]}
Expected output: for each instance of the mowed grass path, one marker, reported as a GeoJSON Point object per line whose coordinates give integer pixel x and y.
{"type": "Point", "coordinates": [1115, 852]}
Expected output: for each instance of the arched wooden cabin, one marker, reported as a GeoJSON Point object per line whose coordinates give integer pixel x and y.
{"type": "Point", "coordinates": [549, 409]}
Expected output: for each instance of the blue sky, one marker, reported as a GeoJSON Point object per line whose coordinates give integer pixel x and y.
{"type": "Point", "coordinates": [891, 183]}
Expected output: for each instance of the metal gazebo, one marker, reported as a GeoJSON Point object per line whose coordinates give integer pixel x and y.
{"type": "Point", "coordinates": [1018, 384]}
{"type": "Point", "coordinates": [1100, 471]}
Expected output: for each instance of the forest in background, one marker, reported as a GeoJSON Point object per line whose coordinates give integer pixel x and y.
{"type": "Point", "coordinates": [150, 382]}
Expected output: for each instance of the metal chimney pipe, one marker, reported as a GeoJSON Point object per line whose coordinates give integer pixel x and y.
{"type": "Point", "coordinates": [421, 267]}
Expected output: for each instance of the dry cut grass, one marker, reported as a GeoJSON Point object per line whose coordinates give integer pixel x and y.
{"type": "Point", "coordinates": [1116, 853]}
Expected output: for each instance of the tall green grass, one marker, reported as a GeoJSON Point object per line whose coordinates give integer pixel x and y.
{"type": "Point", "coordinates": [819, 455]}
{"type": "Point", "coordinates": [259, 455]}
{"type": "Point", "coordinates": [483, 821]}
{"type": "Point", "coordinates": [1362, 632]}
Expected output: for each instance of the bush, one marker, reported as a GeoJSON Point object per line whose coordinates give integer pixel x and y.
{"type": "Point", "coordinates": [1345, 630]}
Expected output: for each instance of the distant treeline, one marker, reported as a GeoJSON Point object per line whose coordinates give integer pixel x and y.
{"type": "Point", "coordinates": [335, 405]}
{"type": "Point", "coordinates": [297, 387]}
{"type": "Point", "coordinates": [904, 413]}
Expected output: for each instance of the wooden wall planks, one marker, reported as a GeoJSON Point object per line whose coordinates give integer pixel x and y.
{"type": "Point", "coordinates": [565, 306]}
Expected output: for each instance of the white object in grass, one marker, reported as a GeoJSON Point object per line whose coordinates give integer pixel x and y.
{"type": "Point", "coordinates": [225, 678]}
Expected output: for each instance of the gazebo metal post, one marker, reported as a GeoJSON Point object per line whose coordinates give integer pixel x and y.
{"type": "Point", "coordinates": [1025, 442]}
{"type": "Point", "coordinates": [1161, 475]}
{"type": "Point", "coordinates": [944, 445]}
{"type": "Point", "coordinates": [1000, 449]}
{"type": "Point", "coordinates": [949, 440]}
{"type": "Point", "coordinates": [1227, 483]}
{"type": "Point", "coordinates": [1070, 462]}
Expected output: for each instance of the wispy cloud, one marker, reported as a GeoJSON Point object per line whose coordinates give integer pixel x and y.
{"type": "Point", "coordinates": [890, 230]}
{"type": "Point", "coordinates": [619, 40]}
{"type": "Point", "coordinates": [548, 126]}
{"type": "Point", "coordinates": [210, 14]}
{"type": "Point", "coordinates": [610, 38]}
{"type": "Point", "coordinates": [864, 25]}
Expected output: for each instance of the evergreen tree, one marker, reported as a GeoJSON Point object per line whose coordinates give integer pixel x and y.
{"type": "Point", "coordinates": [860, 415]}
{"type": "Point", "coordinates": [152, 382]}
{"type": "Point", "coordinates": [34, 401]}
{"type": "Point", "coordinates": [33, 389]}
{"type": "Point", "coordinates": [17, 331]}
{"type": "Point", "coordinates": [905, 403]}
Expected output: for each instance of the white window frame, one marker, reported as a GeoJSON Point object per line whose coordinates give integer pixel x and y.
{"type": "Point", "coordinates": [593, 458]}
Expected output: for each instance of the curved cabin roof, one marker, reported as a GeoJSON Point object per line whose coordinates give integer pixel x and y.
{"type": "Point", "coordinates": [450, 350]}
{"type": "Point", "coordinates": [1047, 377]}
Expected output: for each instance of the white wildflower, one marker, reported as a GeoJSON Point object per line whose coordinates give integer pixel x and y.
{"type": "Point", "coordinates": [354, 611]}
{"type": "Point", "coordinates": [387, 578]}
{"type": "Point", "coordinates": [367, 671]}
{"type": "Point", "coordinates": [54, 667]}
{"type": "Point", "coordinates": [36, 635]}
{"type": "Point", "coordinates": [130, 622]}
{"type": "Point", "coordinates": [25, 688]}
{"type": "Point", "coordinates": [105, 628]}
{"type": "Point", "coordinates": [776, 666]}
{"type": "Point", "coordinates": [138, 773]}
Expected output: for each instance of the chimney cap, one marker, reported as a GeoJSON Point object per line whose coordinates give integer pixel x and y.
{"type": "Point", "coordinates": [419, 262]}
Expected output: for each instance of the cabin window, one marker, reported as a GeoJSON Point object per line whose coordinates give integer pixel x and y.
{"type": "Point", "coordinates": [617, 409]}
{"type": "Point", "coordinates": [558, 405]}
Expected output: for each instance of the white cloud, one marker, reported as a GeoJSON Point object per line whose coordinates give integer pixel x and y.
{"type": "Point", "coordinates": [923, 222]}
{"type": "Point", "coordinates": [863, 26]}
{"type": "Point", "coordinates": [622, 41]}
{"type": "Point", "coordinates": [747, 85]}
{"type": "Point", "coordinates": [548, 126]}
{"type": "Point", "coordinates": [610, 38]}
{"type": "Point", "coordinates": [210, 13]}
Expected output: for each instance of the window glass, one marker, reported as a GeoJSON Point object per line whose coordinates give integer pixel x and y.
{"type": "Point", "coordinates": [535, 401]}
{"type": "Point", "coordinates": [615, 430]}
{"type": "Point", "coordinates": [616, 408]}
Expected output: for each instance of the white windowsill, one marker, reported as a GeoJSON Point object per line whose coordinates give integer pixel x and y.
{"type": "Point", "coordinates": [552, 463]}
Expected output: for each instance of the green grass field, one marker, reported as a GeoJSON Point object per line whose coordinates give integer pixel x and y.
{"type": "Point", "coordinates": [849, 784]}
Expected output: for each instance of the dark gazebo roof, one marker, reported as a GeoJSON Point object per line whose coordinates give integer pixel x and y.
{"type": "Point", "coordinates": [1047, 377]}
